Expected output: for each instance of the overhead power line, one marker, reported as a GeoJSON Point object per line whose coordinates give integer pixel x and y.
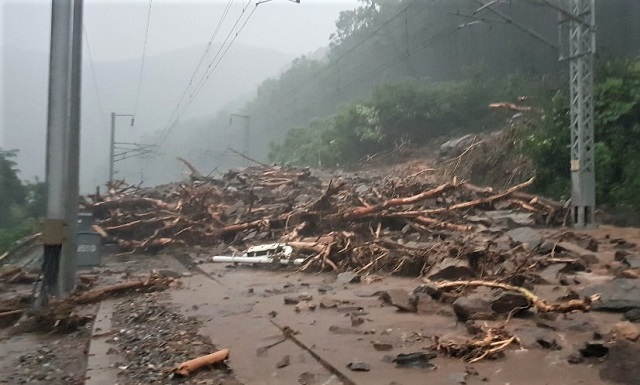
{"type": "Point", "coordinates": [144, 53]}
{"type": "Point", "coordinates": [202, 57]}
{"type": "Point", "coordinates": [213, 65]}
{"type": "Point", "coordinates": [93, 75]}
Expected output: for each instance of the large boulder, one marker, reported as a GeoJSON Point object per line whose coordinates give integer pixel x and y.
{"type": "Point", "coordinates": [455, 147]}
{"type": "Point", "coordinates": [619, 295]}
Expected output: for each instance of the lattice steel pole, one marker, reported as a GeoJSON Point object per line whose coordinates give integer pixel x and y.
{"type": "Point", "coordinates": [582, 48]}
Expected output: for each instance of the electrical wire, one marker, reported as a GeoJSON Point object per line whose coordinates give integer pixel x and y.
{"type": "Point", "coordinates": [350, 50]}
{"type": "Point", "coordinates": [144, 53]}
{"type": "Point", "coordinates": [202, 57]}
{"type": "Point", "coordinates": [93, 75]}
{"type": "Point", "coordinates": [389, 63]}
{"type": "Point", "coordinates": [213, 65]}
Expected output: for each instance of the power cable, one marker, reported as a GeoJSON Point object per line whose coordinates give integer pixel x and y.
{"type": "Point", "coordinates": [93, 75]}
{"type": "Point", "coordinates": [144, 53]}
{"type": "Point", "coordinates": [425, 44]}
{"type": "Point", "coordinates": [352, 49]}
{"type": "Point", "coordinates": [213, 65]}
{"type": "Point", "coordinates": [210, 72]}
{"type": "Point", "coordinates": [202, 57]}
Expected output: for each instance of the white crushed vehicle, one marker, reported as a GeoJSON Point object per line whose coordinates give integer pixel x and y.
{"type": "Point", "coordinates": [269, 253]}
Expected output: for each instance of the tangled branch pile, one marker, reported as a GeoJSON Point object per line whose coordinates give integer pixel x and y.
{"type": "Point", "coordinates": [351, 222]}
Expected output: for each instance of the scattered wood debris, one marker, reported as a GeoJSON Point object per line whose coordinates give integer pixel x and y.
{"type": "Point", "coordinates": [346, 223]}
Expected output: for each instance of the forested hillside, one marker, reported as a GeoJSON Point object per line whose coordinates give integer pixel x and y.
{"type": "Point", "coordinates": [387, 41]}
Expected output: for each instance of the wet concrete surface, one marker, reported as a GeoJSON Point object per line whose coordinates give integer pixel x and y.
{"type": "Point", "coordinates": [236, 311]}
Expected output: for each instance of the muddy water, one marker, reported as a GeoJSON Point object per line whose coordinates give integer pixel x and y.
{"type": "Point", "coordinates": [236, 315]}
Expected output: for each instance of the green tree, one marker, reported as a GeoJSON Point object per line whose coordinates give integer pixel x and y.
{"type": "Point", "coordinates": [617, 132]}
{"type": "Point", "coordinates": [12, 192]}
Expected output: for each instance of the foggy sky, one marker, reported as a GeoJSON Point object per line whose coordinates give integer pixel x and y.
{"type": "Point", "coordinates": [116, 28]}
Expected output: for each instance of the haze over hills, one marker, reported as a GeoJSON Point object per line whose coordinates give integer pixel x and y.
{"type": "Point", "coordinates": [165, 77]}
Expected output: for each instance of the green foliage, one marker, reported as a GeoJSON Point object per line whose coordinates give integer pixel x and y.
{"type": "Point", "coordinates": [396, 113]}
{"type": "Point", "coordinates": [9, 236]}
{"type": "Point", "coordinates": [617, 132]}
{"type": "Point", "coordinates": [12, 192]}
{"type": "Point", "coordinates": [20, 204]}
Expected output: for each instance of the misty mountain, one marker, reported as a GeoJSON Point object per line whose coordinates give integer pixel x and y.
{"type": "Point", "coordinates": [164, 79]}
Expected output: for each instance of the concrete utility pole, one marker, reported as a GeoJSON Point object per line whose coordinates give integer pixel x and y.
{"type": "Point", "coordinates": [67, 274]}
{"type": "Point", "coordinates": [112, 143]}
{"type": "Point", "coordinates": [582, 48]}
{"type": "Point", "coordinates": [55, 232]}
{"type": "Point", "coordinates": [247, 132]}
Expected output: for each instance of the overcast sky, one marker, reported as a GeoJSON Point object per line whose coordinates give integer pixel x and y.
{"type": "Point", "coordinates": [116, 29]}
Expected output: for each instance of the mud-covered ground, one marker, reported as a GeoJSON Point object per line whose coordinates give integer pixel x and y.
{"type": "Point", "coordinates": [150, 340]}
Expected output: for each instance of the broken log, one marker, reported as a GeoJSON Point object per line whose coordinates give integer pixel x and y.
{"type": "Point", "coordinates": [93, 296]}
{"type": "Point", "coordinates": [364, 211]}
{"type": "Point", "coordinates": [540, 304]}
{"type": "Point", "coordinates": [189, 367]}
{"type": "Point", "coordinates": [481, 201]}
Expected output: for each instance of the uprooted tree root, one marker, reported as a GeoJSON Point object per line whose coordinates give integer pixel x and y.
{"type": "Point", "coordinates": [491, 345]}
{"type": "Point", "coordinates": [61, 315]}
{"type": "Point", "coordinates": [540, 304]}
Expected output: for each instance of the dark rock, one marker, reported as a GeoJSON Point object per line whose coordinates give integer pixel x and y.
{"type": "Point", "coordinates": [623, 364]}
{"type": "Point", "coordinates": [569, 296]}
{"type": "Point", "coordinates": [546, 247]}
{"type": "Point", "coordinates": [620, 243]}
{"type": "Point", "coordinates": [508, 302]}
{"type": "Point", "coordinates": [342, 330]}
{"type": "Point", "coordinates": [547, 342]}
{"type": "Point", "coordinates": [473, 328]}
{"type": "Point", "coordinates": [430, 289]}
{"type": "Point", "coordinates": [416, 360]}
{"type": "Point", "coordinates": [575, 359]}
{"type": "Point", "coordinates": [284, 361]}
{"type": "Point", "coordinates": [451, 269]}
{"type": "Point", "coordinates": [511, 218]}
{"type": "Point", "coordinates": [589, 259]}
{"type": "Point", "coordinates": [551, 273]}
{"type": "Point", "coordinates": [328, 303]}
{"type": "Point", "coordinates": [359, 366]}
{"type": "Point", "coordinates": [302, 198]}
{"type": "Point", "coordinates": [587, 256]}
{"type": "Point", "coordinates": [366, 293]}
{"type": "Point", "coordinates": [594, 349]}
{"type": "Point", "coordinates": [324, 289]}
{"type": "Point", "coordinates": [454, 147]}
{"type": "Point", "coordinates": [291, 300]}
{"type": "Point", "coordinates": [305, 305]}
{"type": "Point", "coordinates": [632, 315]}
{"type": "Point", "coordinates": [476, 306]}
{"type": "Point", "coordinates": [382, 347]}
{"type": "Point", "coordinates": [574, 267]}
{"type": "Point", "coordinates": [356, 321]}
{"type": "Point", "coordinates": [426, 304]}
{"type": "Point", "coordinates": [588, 243]}
{"type": "Point", "coordinates": [399, 298]}
{"type": "Point", "coordinates": [620, 255]}
{"type": "Point", "coordinates": [630, 260]}
{"type": "Point", "coordinates": [307, 378]}
{"type": "Point", "coordinates": [577, 322]}
{"type": "Point", "coordinates": [169, 273]}
{"type": "Point", "coordinates": [526, 236]}
{"type": "Point", "coordinates": [348, 277]}
{"type": "Point", "coordinates": [305, 296]}
{"type": "Point", "coordinates": [619, 295]}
